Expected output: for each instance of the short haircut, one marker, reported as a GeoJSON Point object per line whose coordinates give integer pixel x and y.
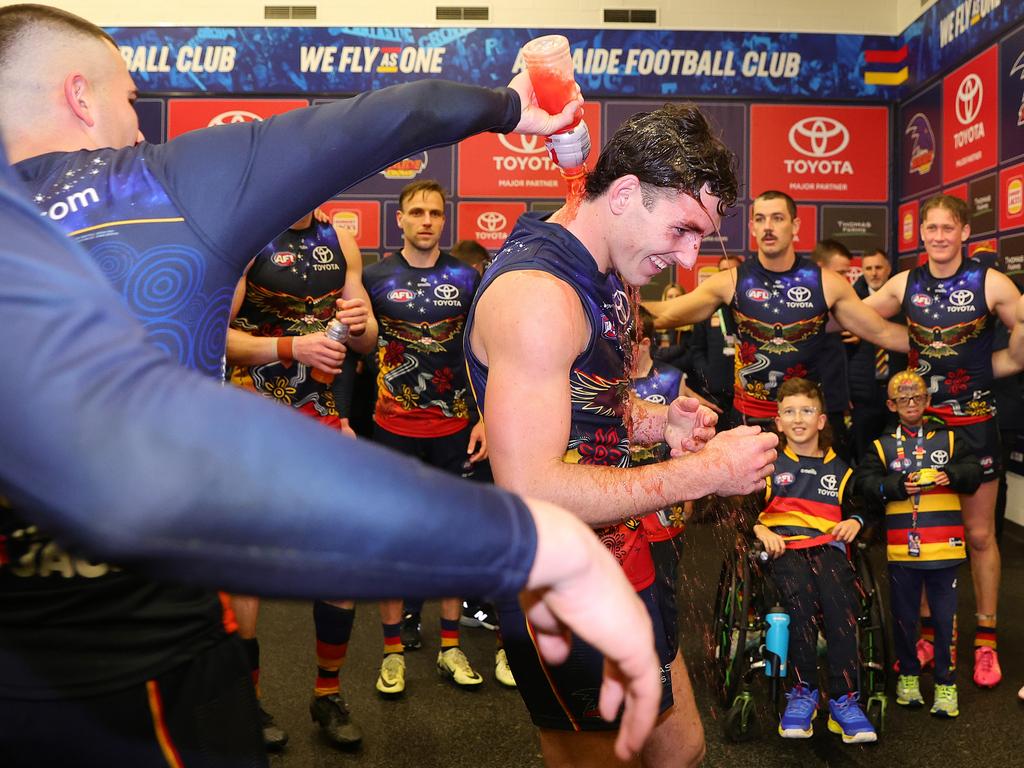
{"type": "Point", "coordinates": [810, 390]}
{"type": "Point", "coordinates": [416, 187]}
{"type": "Point", "coordinates": [774, 194]}
{"type": "Point", "coordinates": [876, 252]}
{"type": "Point", "coordinates": [646, 323]}
{"type": "Point", "coordinates": [672, 148]}
{"type": "Point", "coordinates": [16, 21]}
{"type": "Point", "coordinates": [471, 252]}
{"type": "Point", "coordinates": [828, 248]}
{"type": "Point", "coordinates": [959, 208]}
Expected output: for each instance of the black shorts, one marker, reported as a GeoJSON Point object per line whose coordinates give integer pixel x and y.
{"type": "Point", "coordinates": [565, 697]}
{"type": "Point", "coordinates": [447, 453]}
{"type": "Point", "coordinates": [201, 714]}
{"type": "Point", "coordinates": [983, 440]}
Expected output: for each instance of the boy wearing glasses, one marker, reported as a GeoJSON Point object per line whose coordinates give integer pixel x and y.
{"type": "Point", "coordinates": [917, 472]}
{"type": "Point", "coordinates": [805, 527]}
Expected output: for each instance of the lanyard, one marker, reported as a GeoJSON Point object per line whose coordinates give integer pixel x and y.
{"type": "Point", "coordinates": [915, 500]}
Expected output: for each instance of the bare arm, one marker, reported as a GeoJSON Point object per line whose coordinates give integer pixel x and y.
{"type": "Point", "coordinates": [354, 309]}
{"type": "Point", "coordinates": [1010, 361]}
{"type": "Point", "coordinates": [860, 319]}
{"type": "Point", "coordinates": [528, 412]}
{"type": "Point", "coordinates": [888, 299]}
{"type": "Point", "coordinates": [697, 305]}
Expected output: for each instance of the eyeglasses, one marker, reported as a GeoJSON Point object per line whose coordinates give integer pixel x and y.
{"type": "Point", "coordinates": [910, 399]}
{"type": "Point", "coordinates": [808, 412]}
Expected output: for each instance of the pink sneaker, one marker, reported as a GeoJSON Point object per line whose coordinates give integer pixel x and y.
{"type": "Point", "coordinates": [987, 672]}
{"type": "Point", "coordinates": [925, 654]}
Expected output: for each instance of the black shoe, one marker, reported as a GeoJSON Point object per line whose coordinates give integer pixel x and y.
{"type": "Point", "coordinates": [274, 736]}
{"type": "Point", "coordinates": [332, 715]}
{"type": "Point", "coordinates": [412, 639]}
{"type": "Point", "coordinates": [479, 615]}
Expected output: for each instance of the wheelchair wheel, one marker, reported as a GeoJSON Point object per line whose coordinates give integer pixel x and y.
{"type": "Point", "coordinates": [872, 635]}
{"type": "Point", "coordinates": [730, 625]}
{"type": "Point", "coordinates": [741, 723]}
{"type": "Point", "coordinates": [875, 709]}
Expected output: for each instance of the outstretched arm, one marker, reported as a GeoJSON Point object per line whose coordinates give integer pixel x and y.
{"type": "Point", "coordinates": [697, 305]}
{"type": "Point", "coordinates": [860, 319]}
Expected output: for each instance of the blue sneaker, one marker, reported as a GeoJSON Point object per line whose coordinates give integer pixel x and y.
{"type": "Point", "coordinates": [846, 717]}
{"type": "Point", "coordinates": [801, 708]}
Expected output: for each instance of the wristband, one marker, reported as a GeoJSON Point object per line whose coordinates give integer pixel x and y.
{"type": "Point", "coordinates": [284, 349]}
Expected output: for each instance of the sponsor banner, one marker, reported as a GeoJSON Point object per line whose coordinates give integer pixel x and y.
{"type": "Point", "coordinates": [185, 115]}
{"type": "Point", "coordinates": [151, 119]}
{"type": "Point", "coordinates": [360, 217]}
{"type": "Point", "coordinates": [920, 166]}
{"type": "Point", "coordinates": [1011, 94]}
{"type": "Point", "coordinates": [514, 165]}
{"type": "Point", "coordinates": [861, 228]}
{"type": "Point", "coordinates": [703, 268]}
{"type": "Point", "coordinates": [609, 62]}
{"type": "Point", "coordinates": [957, 190]}
{"type": "Point", "coordinates": [910, 261]}
{"type": "Point", "coordinates": [981, 197]}
{"type": "Point", "coordinates": [393, 239]}
{"type": "Point", "coordinates": [820, 152]}
{"type": "Point", "coordinates": [908, 226]}
{"type": "Point", "coordinates": [1011, 258]}
{"type": "Point", "coordinates": [1011, 197]}
{"type": "Point", "coordinates": [984, 251]}
{"type": "Point", "coordinates": [729, 122]}
{"type": "Point", "coordinates": [970, 117]}
{"type": "Point", "coordinates": [488, 223]}
{"type": "Point", "coordinates": [804, 240]}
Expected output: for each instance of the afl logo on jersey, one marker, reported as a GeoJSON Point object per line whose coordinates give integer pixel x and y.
{"type": "Point", "coordinates": [283, 258]}
{"type": "Point", "coordinates": [784, 478]}
{"type": "Point", "coordinates": [401, 295]}
{"type": "Point", "coordinates": [760, 295]}
{"type": "Point", "coordinates": [921, 300]}
{"type": "Point", "coordinates": [939, 458]}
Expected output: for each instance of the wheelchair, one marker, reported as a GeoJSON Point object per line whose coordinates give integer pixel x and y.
{"type": "Point", "coordinates": [743, 599]}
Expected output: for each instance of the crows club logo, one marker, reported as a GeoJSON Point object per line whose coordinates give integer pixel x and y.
{"type": "Point", "coordinates": [939, 458]}
{"type": "Point", "coordinates": [401, 295]}
{"type": "Point", "coordinates": [234, 116]}
{"type": "Point", "coordinates": [799, 294]}
{"type": "Point", "coordinates": [961, 298]}
{"type": "Point", "coordinates": [922, 149]}
{"type": "Point", "coordinates": [969, 96]}
{"type": "Point", "coordinates": [760, 295]}
{"type": "Point", "coordinates": [491, 221]}
{"type": "Point", "coordinates": [784, 478]}
{"type": "Point", "coordinates": [283, 258]}
{"type": "Point", "coordinates": [921, 300]}
{"type": "Point", "coordinates": [446, 292]}
{"type": "Point", "coordinates": [819, 137]}
{"type": "Point", "coordinates": [323, 255]}
{"type": "Point", "coordinates": [829, 484]}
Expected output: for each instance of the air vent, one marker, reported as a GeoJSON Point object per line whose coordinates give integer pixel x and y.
{"type": "Point", "coordinates": [279, 12]}
{"type": "Point", "coordinates": [630, 16]}
{"type": "Point", "coordinates": [463, 13]}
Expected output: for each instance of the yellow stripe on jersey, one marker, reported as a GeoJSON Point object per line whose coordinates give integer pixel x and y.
{"type": "Point", "coordinates": [176, 219]}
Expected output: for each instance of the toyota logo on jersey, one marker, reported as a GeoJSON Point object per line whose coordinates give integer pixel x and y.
{"type": "Point", "coordinates": [939, 458]}
{"type": "Point", "coordinates": [234, 116]}
{"type": "Point", "coordinates": [799, 294]}
{"type": "Point", "coordinates": [401, 295]}
{"type": "Point", "coordinates": [446, 292]}
{"type": "Point", "coordinates": [323, 254]}
{"type": "Point", "coordinates": [961, 298]}
{"type": "Point", "coordinates": [829, 485]}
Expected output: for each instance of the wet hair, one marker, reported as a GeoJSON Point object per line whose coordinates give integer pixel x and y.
{"type": "Point", "coordinates": [774, 194]}
{"type": "Point", "coordinates": [16, 21]}
{"type": "Point", "coordinates": [471, 252]}
{"type": "Point", "coordinates": [416, 187]}
{"type": "Point", "coordinates": [810, 390]}
{"type": "Point", "coordinates": [826, 249]}
{"type": "Point", "coordinates": [902, 378]}
{"type": "Point", "coordinates": [672, 148]}
{"type": "Point", "coordinates": [961, 212]}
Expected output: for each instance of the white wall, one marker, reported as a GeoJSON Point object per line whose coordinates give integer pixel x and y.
{"type": "Point", "coordinates": [852, 16]}
{"type": "Point", "coordinates": [907, 11]}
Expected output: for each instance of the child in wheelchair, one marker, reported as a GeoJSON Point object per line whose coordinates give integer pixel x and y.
{"type": "Point", "coordinates": [805, 526]}
{"type": "Point", "coordinates": [917, 472]}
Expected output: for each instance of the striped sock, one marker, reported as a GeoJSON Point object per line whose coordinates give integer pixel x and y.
{"type": "Point", "coordinates": [985, 635]}
{"type": "Point", "coordinates": [252, 653]}
{"type": "Point", "coordinates": [449, 634]}
{"type": "Point", "coordinates": [393, 638]}
{"type": "Point", "coordinates": [927, 629]}
{"type": "Point", "coordinates": [333, 630]}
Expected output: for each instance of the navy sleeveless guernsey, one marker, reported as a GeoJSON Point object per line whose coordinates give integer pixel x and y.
{"type": "Point", "coordinates": [598, 380]}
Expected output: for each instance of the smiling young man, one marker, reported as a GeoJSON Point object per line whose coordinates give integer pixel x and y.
{"type": "Point", "coordinates": [949, 303]}
{"type": "Point", "coordinates": [548, 345]}
{"type": "Point", "coordinates": [780, 302]}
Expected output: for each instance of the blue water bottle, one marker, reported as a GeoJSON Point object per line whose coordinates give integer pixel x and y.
{"type": "Point", "coordinates": [776, 642]}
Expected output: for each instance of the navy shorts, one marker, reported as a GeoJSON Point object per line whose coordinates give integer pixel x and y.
{"type": "Point", "coordinates": [983, 440]}
{"type": "Point", "coordinates": [565, 697]}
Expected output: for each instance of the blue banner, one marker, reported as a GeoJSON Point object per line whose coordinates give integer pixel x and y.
{"type": "Point", "coordinates": [609, 62]}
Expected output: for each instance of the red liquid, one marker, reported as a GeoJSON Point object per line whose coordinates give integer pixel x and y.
{"type": "Point", "coordinates": [553, 91]}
